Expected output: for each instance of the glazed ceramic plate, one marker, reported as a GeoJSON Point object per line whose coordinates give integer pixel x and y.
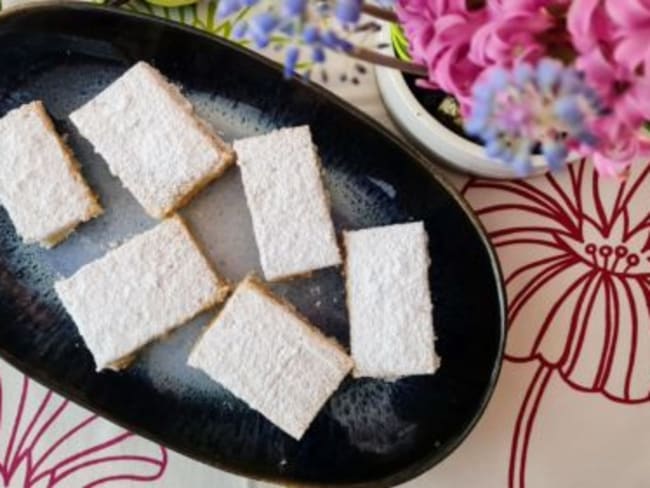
{"type": "Point", "coordinates": [370, 433]}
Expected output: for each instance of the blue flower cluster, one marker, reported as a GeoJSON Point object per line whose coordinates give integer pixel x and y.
{"type": "Point", "coordinates": [307, 24]}
{"type": "Point", "coordinates": [546, 107]}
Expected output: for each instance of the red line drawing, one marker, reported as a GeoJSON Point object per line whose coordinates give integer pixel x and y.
{"type": "Point", "coordinates": [59, 445]}
{"type": "Point", "coordinates": [576, 256]}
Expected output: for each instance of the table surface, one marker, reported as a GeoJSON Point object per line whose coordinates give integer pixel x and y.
{"type": "Point", "coordinates": [570, 409]}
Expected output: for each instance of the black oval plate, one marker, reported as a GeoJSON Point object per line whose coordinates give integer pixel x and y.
{"type": "Point", "coordinates": [370, 433]}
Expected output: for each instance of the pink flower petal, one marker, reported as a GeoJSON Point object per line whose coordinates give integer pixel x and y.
{"type": "Point", "coordinates": [632, 51]}
{"type": "Point", "coordinates": [628, 13]}
{"type": "Point", "coordinates": [588, 24]}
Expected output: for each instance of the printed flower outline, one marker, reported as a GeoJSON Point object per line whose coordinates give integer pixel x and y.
{"type": "Point", "coordinates": [575, 251]}
{"type": "Point", "coordinates": [48, 442]}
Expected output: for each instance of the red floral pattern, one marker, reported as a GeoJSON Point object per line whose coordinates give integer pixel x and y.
{"type": "Point", "coordinates": [576, 256]}
{"type": "Point", "coordinates": [44, 442]}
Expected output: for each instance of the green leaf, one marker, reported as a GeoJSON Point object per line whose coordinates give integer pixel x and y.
{"type": "Point", "coordinates": [400, 42]}
{"type": "Point", "coordinates": [224, 29]}
{"type": "Point", "coordinates": [212, 10]}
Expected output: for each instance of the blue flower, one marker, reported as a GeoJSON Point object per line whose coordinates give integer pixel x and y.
{"type": "Point", "coordinates": [239, 30]}
{"type": "Point", "coordinates": [293, 8]}
{"type": "Point", "coordinates": [311, 34]}
{"type": "Point", "coordinates": [291, 57]}
{"type": "Point", "coordinates": [318, 55]}
{"type": "Point", "coordinates": [555, 154]}
{"type": "Point", "coordinates": [227, 8]}
{"type": "Point", "coordinates": [260, 28]}
{"type": "Point", "coordinates": [306, 23]}
{"type": "Point", "coordinates": [568, 110]}
{"type": "Point", "coordinates": [547, 107]}
{"type": "Point", "coordinates": [332, 40]}
{"type": "Point", "coordinates": [348, 11]}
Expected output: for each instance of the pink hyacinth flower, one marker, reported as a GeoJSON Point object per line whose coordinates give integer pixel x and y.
{"type": "Point", "coordinates": [450, 66]}
{"type": "Point", "coordinates": [620, 146]}
{"type": "Point", "coordinates": [512, 33]}
{"type": "Point", "coordinates": [527, 5]}
{"type": "Point", "coordinates": [439, 33]}
{"type": "Point", "coordinates": [589, 25]}
{"type": "Point", "coordinates": [623, 91]}
{"type": "Point", "coordinates": [632, 21]}
{"type": "Point", "coordinates": [418, 17]}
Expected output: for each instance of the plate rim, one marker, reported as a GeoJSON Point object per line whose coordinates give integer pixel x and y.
{"type": "Point", "coordinates": [409, 472]}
